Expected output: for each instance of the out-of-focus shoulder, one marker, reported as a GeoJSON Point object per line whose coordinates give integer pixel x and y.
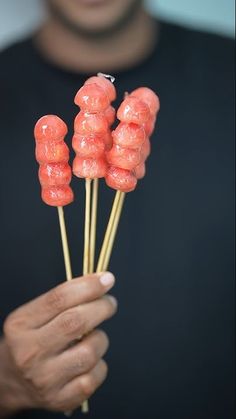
{"type": "Point", "coordinates": [15, 48]}
{"type": "Point", "coordinates": [205, 44]}
{"type": "Point", "coordinates": [14, 57]}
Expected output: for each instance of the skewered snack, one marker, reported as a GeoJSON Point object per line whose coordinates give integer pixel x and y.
{"type": "Point", "coordinates": [119, 156]}
{"type": "Point", "coordinates": [91, 139]}
{"type": "Point", "coordinates": [52, 155]}
{"type": "Point", "coordinates": [55, 174]}
{"type": "Point", "coordinates": [124, 156]}
{"type": "Point", "coordinates": [131, 147]}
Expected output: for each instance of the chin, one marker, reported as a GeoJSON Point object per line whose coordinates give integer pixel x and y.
{"type": "Point", "coordinates": [94, 17]}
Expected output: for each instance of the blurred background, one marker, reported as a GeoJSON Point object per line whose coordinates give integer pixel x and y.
{"type": "Point", "coordinates": [19, 17]}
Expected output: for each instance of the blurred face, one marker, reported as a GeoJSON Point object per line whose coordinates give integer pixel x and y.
{"type": "Point", "coordinates": [94, 18]}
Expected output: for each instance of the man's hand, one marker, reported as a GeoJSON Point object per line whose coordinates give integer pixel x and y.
{"type": "Point", "coordinates": [42, 362]}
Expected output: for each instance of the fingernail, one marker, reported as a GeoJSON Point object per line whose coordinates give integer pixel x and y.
{"type": "Point", "coordinates": [113, 300]}
{"type": "Point", "coordinates": [68, 414]}
{"type": "Point", "coordinates": [107, 279]}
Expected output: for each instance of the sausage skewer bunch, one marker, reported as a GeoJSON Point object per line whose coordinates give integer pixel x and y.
{"type": "Point", "coordinates": [119, 156]}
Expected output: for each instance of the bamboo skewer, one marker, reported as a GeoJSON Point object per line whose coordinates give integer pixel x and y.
{"type": "Point", "coordinates": [85, 407]}
{"type": "Point", "coordinates": [113, 232]}
{"type": "Point", "coordinates": [108, 232]}
{"type": "Point", "coordinates": [93, 229]}
{"type": "Point", "coordinates": [87, 226]}
{"type": "Point", "coordinates": [65, 246]}
{"type": "Point", "coordinates": [87, 221]}
{"type": "Point", "coordinates": [66, 254]}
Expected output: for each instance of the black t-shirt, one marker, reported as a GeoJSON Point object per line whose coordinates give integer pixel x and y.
{"type": "Point", "coordinates": [171, 354]}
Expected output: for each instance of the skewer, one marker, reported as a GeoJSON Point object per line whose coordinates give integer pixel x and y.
{"type": "Point", "coordinates": [108, 232]}
{"type": "Point", "coordinates": [87, 226]}
{"type": "Point", "coordinates": [93, 225]}
{"type": "Point", "coordinates": [85, 406]}
{"type": "Point", "coordinates": [113, 232]}
{"type": "Point", "coordinates": [65, 246]}
{"type": "Point", "coordinates": [66, 254]}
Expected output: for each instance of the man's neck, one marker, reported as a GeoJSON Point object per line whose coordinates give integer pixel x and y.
{"type": "Point", "coordinates": [121, 50]}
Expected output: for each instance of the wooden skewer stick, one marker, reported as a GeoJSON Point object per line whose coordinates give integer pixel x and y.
{"type": "Point", "coordinates": [87, 226]}
{"type": "Point", "coordinates": [113, 233]}
{"type": "Point", "coordinates": [93, 225]}
{"type": "Point", "coordinates": [108, 232]}
{"type": "Point", "coordinates": [85, 406]}
{"type": "Point", "coordinates": [65, 246]}
{"type": "Point", "coordinates": [66, 254]}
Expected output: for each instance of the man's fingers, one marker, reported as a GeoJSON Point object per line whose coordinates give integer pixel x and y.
{"type": "Point", "coordinates": [79, 359]}
{"type": "Point", "coordinates": [55, 336]}
{"type": "Point", "coordinates": [70, 294]}
{"type": "Point", "coordinates": [82, 387]}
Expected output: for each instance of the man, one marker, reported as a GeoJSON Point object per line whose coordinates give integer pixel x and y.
{"type": "Point", "coordinates": [171, 352]}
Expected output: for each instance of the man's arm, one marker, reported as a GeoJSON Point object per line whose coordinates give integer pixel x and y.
{"type": "Point", "coordinates": [43, 364]}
